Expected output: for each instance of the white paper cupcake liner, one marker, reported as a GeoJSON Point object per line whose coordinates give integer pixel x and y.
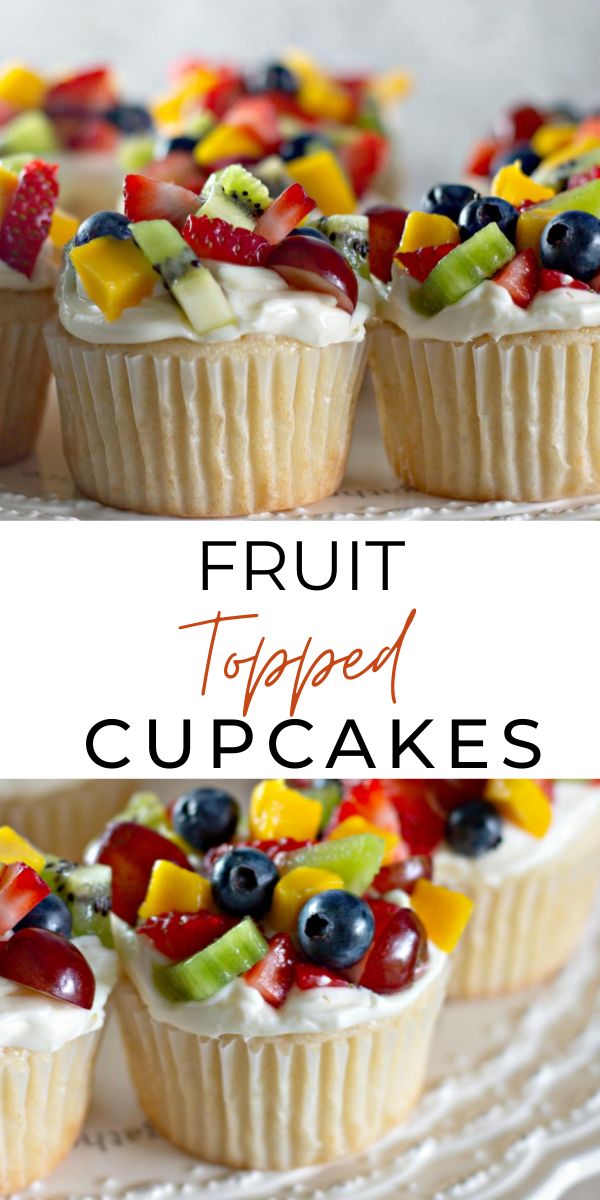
{"type": "Point", "coordinates": [515, 419]}
{"type": "Point", "coordinates": [280, 1102]}
{"type": "Point", "coordinates": [64, 820]}
{"type": "Point", "coordinates": [25, 370]}
{"type": "Point", "coordinates": [186, 429]}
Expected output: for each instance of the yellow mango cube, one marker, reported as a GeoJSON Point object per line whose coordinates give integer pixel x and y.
{"type": "Point", "coordinates": [549, 138]}
{"type": "Point", "coordinates": [63, 227]}
{"type": "Point", "coordinates": [523, 802]}
{"type": "Point", "coordinates": [427, 229]}
{"type": "Point", "coordinates": [277, 811]}
{"type": "Point", "coordinates": [390, 86]}
{"type": "Point", "coordinates": [226, 141]}
{"type": "Point", "coordinates": [294, 889]}
{"type": "Point", "coordinates": [325, 181]}
{"type": "Point", "coordinates": [14, 848]}
{"type": "Point", "coordinates": [175, 889]}
{"type": "Point", "coordinates": [358, 824]}
{"type": "Point", "coordinates": [114, 273]}
{"type": "Point", "coordinates": [322, 97]}
{"type": "Point", "coordinates": [512, 184]}
{"type": "Point", "coordinates": [22, 87]}
{"type": "Point", "coordinates": [8, 184]}
{"type": "Point", "coordinates": [444, 913]}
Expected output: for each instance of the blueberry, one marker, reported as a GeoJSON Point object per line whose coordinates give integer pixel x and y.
{"type": "Point", "coordinates": [243, 881]}
{"type": "Point", "coordinates": [102, 224]}
{"type": "Point", "coordinates": [182, 142]}
{"type": "Point", "coordinates": [335, 929]}
{"type": "Point", "coordinates": [205, 817]}
{"type": "Point", "coordinates": [448, 199]}
{"type": "Point", "coordinates": [474, 828]}
{"type": "Point", "coordinates": [304, 143]}
{"type": "Point", "coordinates": [307, 231]}
{"type": "Point", "coordinates": [51, 913]}
{"type": "Point", "coordinates": [570, 242]}
{"type": "Point", "coordinates": [521, 150]}
{"type": "Point", "coordinates": [130, 118]}
{"type": "Point", "coordinates": [481, 212]}
{"type": "Point", "coordinates": [273, 78]}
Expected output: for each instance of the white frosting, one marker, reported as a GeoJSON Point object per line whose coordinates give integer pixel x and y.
{"type": "Point", "coordinates": [261, 300]}
{"type": "Point", "coordinates": [240, 1009]}
{"type": "Point", "coordinates": [489, 309]}
{"type": "Point", "coordinates": [32, 1021]}
{"type": "Point", "coordinates": [576, 807]}
{"type": "Point", "coordinates": [44, 273]}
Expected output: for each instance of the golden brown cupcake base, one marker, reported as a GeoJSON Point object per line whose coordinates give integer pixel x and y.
{"type": "Point", "coordinates": [25, 369]}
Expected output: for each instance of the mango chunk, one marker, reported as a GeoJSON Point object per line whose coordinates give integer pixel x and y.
{"type": "Point", "coordinates": [294, 889]}
{"type": "Point", "coordinates": [226, 141]}
{"type": "Point", "coordinates": [277, 811]}
{"type": "Point", "coordinates": [324, 180]}
{"type": "Point", "coordinates": [8, 184]}
{"type": "Point", "coordinates": [63, 227]}
{"type": "Point", "coordinates": [322, 97]}
{"type": "Point", "coordinates": [22, 87]}
{"type": "Point", "coordinates": [427, 229]}
{"type": "Point", "coordinates": [175, 889]}
{"type": "Point", "coordinates": [358, 824]}
{"type": "Point", "coordinates": [532, 221]}
{"type": "Point", "coordinates": [444, 913]}
{"type": "Point", "coordinates": [523, 802]}
{"type": "Point", "coordinates": [512, 184]}
{"type": "Point", "coordinates": [114, 273]}
{"type": "Point", "coordinates": [14, 848]}
{"type": "Point", "coordinates": [550, 138]}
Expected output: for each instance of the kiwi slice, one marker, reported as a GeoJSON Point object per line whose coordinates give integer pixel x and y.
{"type": "Point", "coordinates": [29, 133]}
{"type": "Point", "coordinates": [234, 195]}
{"type": "Point", "coordinates": [209, 970]}
{"type": "Point", "coordinates": [357, 859]}
{"type": "Point", "coordinates": [271, 171]}
{"type": "Point", "coordinates": [136, 152]}
{"type": "Point", "coordinates": [194, 288]}
{"type": "Point", "coordinates": [557, 176]}
{"type": "Point", "coordinates": [462, 269]}
{"type": "Point", "coordinates": [86, 890]}
{"type": "Point", "coordinates": [144, 808]}
{"type": "Point", "coordinates": [349, 235]}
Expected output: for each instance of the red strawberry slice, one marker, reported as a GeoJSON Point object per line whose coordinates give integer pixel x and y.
{"type": "Point", "coordinates": [284, 214]}
{"type": "Point", "coordinates": [482, 156]}
{"type": "Point", "coordinates": [368, 799]}
{"type": "Point", "coordinates": [273, 976]}
{"type": "Point", "coordinates": [549, 280]}
{"type": "Point", "coordinates": [92, 91]}
{"type": "Point", "coordinates": [385, 230]}
{"type": "Point", "coordinates": [257, 115]}
{"type": "Point", "coordinates": [422, 827]}
{"type": "Point", "coordinates": [223, 95]}
{"type": "Point", "coordinates": [27, 220]}
{"type": "Point", "coordinates": [210, 237]}
{"type": "Point", "coordinates": [179, 935]}
{"type": "Point", "coordinates": [21, 889]}
{"type": "Point", "coordinates": [89, 133]}
{"type": "Point", "coordinates": [178, 167]}
{"type": "Point", "coordinates": [520, 277]}
{"type": "Point", "coordinates": [148, 200]}
{"type": "Point", "coordinates": [364, 157]}
{"type": "Point", "coordinates": [308, 976]}
{"type": "Point", "coordinates": [420, 263]}
{"type": "Point", "coordinates": [275, 849]}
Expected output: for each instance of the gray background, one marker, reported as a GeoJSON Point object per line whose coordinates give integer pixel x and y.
{"type": "Point", "coordinates": [468, 58]}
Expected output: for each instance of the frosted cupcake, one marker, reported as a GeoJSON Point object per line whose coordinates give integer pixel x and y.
{"type": "Point", "coordinates": [62, 812]}
{"type": "Point", "coordinates": [486, 357]}
{"type": "Point", "coordinates": [54, 989]}
{"type": "Point", "coordinates": [213, 371]}
{"type": "Point", "coordinates": [292, 1012]}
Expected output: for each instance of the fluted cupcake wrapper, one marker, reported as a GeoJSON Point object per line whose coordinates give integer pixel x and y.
{"type": "Point", "coordinates": [25, 373]}
{"type": "Point", "coordinates": [64, 821]}
{"type": "Point", "coordinates": [280, 1102]}
{"type": "Point", "coordinates": [514, 419]}
{"type": "Point", "coordinates": [184, 429]}
{"type": "Point", "coordinates": [43, 1103]}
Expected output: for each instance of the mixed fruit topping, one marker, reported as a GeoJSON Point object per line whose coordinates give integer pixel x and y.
{"type": "Point", "coordinates": [80, 111]}
{"type": "Point", "coordinates": [316, 888]}
{"type": "Point", "coordinates": [37, 922]}
{"type": "Point", "coordinates": [29, 213]}
{"type": "Point", "coordinates": [287, 121]}
{"type": "Point", "coordinates": [168, 235]}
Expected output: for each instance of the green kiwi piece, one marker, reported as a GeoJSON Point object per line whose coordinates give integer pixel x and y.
{"type": "Point", "coordinates": [349, 235]}
{"type": "Point", "coordinates": [29, 133]}
{"type": "Point", "coordinates": [196, 291]}
{"type": "Point", "coordinates": [234, 195]}
{"type": "Point", "coordinates": [211, 969]}
{"type": "Point", "coordinates": [557, 176]}
{"type": "Point", "coordinates": [462, 269]}
{"type": "Point", "coordinates": [271, 171]}
{"type": "Point", "coordinates": [87, 892]}
{"type": "Point", "coordinates": [357, 859]}
{"type": "Point", "coordinates": [136, 152]}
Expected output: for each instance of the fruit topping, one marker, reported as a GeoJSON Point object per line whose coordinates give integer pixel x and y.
{"type": "Point", "coordinates": [420, 263]}
{"type": "Point", "coordinates": [26, 222]}
{"type": "Point", "coordinates": [274, 77]}
{"type": "Point", "coordinates": [474, 828]}
{"type": "Point", "coordinates": [357, 824]}
{"type": "Point", "coordinates": [422, 826]}
{"type": "Point", "coordinates": [322, 177]}
{"type": "Point", "coordinates": [459, 272]}
{"type": "Point", "coordinates": [549, 280]}
{"type": "Point", "coordinates": [48, 963]}
{"type": "Point", "coordinates": [21, 889]}
{"type": "Point", "coordinates": [212, 968]}
{"type": "Point", "coordinates": [335, 929]}
{"type": "Point", "coordinates": [356, 859]}
{"type": "Point", "coordinates": [363, 156]}
{"type": "Point", "coordinates": [294, 889]}
{"type": "Point", "coordinates": [92, 90]}
{"type": "Point", "coordinates": [512, 183]}
{"type": "Point", "coordinates": [210, 237]}
{"type": "Point", "coordinates": [194, 288]}
{"type": "Point", "coordinates": [532, 221]}
{"type": "Point", "coordinates": [205, 817]}
{"type": "Point", "coordinates": [520, 278]}
{"type": "Point", "coordinates": [276, 811]}
{"type": "Point", "coordinates": [21, 87]}
{"type": "Point", "coordinates": [570, 243]}
{"type": "Point", "coordinates": [273, 976]}
{"type": "Point", "coordinates": [308, 976]}
{"type": "Point", "coordinates": [520, 154]}
{"type": "Point", "coordinates": [519, 123]}
{"type": "Point", "coordinates": [131, 851]}
{"type": "Point", "coordinates": [398, 956]}
{"type": "Point", "coordinates": [284, 214]}
{"type": "Point", "coordinates": [150, 200]}
{"type": "Point", "coordinates": [448, 199]}
{"type": "Point", "coordinates": [243, 882]}
{"type": "Point", "coordinates": [51, 913]}
{"type": "Point", "coordinates": [307, 264]}
{"type": "Point", "coordinates": [86, 891]}
{"type": "Point", "coordinates": [350, 235]}
{"type": "Point", "coordinates": [234, 195]}
{"type": "Point", "coordinates": [103, 224]}
{"type": "Point", "coordinates": [403, 875]}
{"type": "Point", "coordinates": [523, 801]}
{"type": "Point", "coordinates": [385, 230]}
{"type": "Point", "coordinates": [427, 229]}
{"type": "Point", "coordinates": [484, 211]}
{"type": "Point", "coordinates": [180, 935]}
{"type": "Point", "coordinates": [174, 889]}
{"type": "Point", "coordinates": [327, 791]}
{"type": "Point", "coordinates": [481, 158]}
{"type": "Point", "coordinates": [444, 913]}
{"type": "Point", "coordinates": [16, 849]}
{"type": "Point", "coordinates": [114, 273]}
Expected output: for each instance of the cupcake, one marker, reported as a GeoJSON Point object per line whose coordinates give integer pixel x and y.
{"type": "Point", "coordinates": [54, 988]}
{"type": "Point", "coordinates": [208, 354]}
{"type": "Point", "coordinates": [531, 134]}
{"type": "Point", "coordinates": [485, 357]}
{"type": "Point", "coordinates": [290, 1010]}
{"type": "Point", "coordinates": [62, 812]}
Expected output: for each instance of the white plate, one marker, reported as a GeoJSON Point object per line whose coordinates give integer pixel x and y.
{"type": "Point", "coordinates": [41, 487]}
{"type": "Point", "coordinates": [511, 1111]}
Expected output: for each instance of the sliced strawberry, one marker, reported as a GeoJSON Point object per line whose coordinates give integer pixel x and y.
{"type": "Point", "coordinates": [179, 935]}
{"type": "Point", "coordinates": [27, 220]}
{"type": "Point", "coordinates": [92, 91]}
{"type": "Point", "coordinates": [273, 976]}
{"type": "Point", "coordinates": [368, 799]}
{"type": "Point", "coordinates": [549, 280]}
{"type": "Point", "coordinates": [482, 156]}
{"type": "Point", "coordinates": [276, 850]}
{"type": "Point", "coordinates": [520, 278]}
{"type": "Point", "coordinates": [210, 237]}
{"type": "Point", "coordinates": [89, 133]}
{"type": "Point", "coordinates": [420, 263]}
{"type": "Point", "coordinates": [284, 214]}
{"type": "Point", "coordinates": [148, 200]}
{"type": "Point", "coordinates": [403, 875]}
{"type": "Point", "coordinates": [422, 827]}
{"type": "Point", "coordinates": [258, 115]}
{"type": "Point", "coordinates": [21, 889]}
{"type": "Point", "coordinates": [223, 95]}
{"type": "Point", "coordinates": [178, 167]}
{"type": "Point", "coordinates": [385, 230]}
{"type": "Point", "coordinates": [364, 157]}
{"type": "Point", "coordinates": [308, 976]}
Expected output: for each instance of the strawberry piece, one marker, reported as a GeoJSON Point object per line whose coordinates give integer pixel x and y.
{"type": "Point", "coordinates": [21, 889]}
{"type": "Point", "coordinates": [148, 200]}
{"type": "Point", "coordinates": [398, 956]}
{"type": "Point", "coordinates": [273, 976]}
{"type": "Point", "coordinates": [582, 177]}
{"type": "Point", "coordinates": [91, 133]}
{"type": "Point", "coordinates": [420, 263]}
{"type": "Point", "coordinates": [308, 976]}
{"type": "Point", "coordinates": [520, 278]}
{"type": "Point", "coordinates": [178, 167]}
{"type": "Point", "coordinates": [277, 850]}
{"type": "Point", "coordinates": [364, 157]}
{"type": "Point", "coordinates": [27, 220]}
{"type": "Point", "coordinates": [368, 799]}
{"type": "Point", "coordinates": [482, 156]}
{"type": "Point", "coordinates": [179, 935]}
{"type": "Point", "coordinates": [210, 237]}
{"type": "Point", "coordinates": [258, 115]}
{"type": "Point", "coordinates": [549, 280]}
{"type": "Point", "coordinates": [131, 851]}
{"type": "Point", "coordinates": [519, 124]}
{"type": "Point", "coordinates": [92, 91]}
{"type": "Point", "coordinates": [223, 95]}
{"type": "Point", "coordinates": [403, 875]}
{"type": "Point", "coordinates": [422, 827]}
{"type": "Point", "coordinates": [385, 230]}
{"type": "Point", "coordinates": [284, 214]}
